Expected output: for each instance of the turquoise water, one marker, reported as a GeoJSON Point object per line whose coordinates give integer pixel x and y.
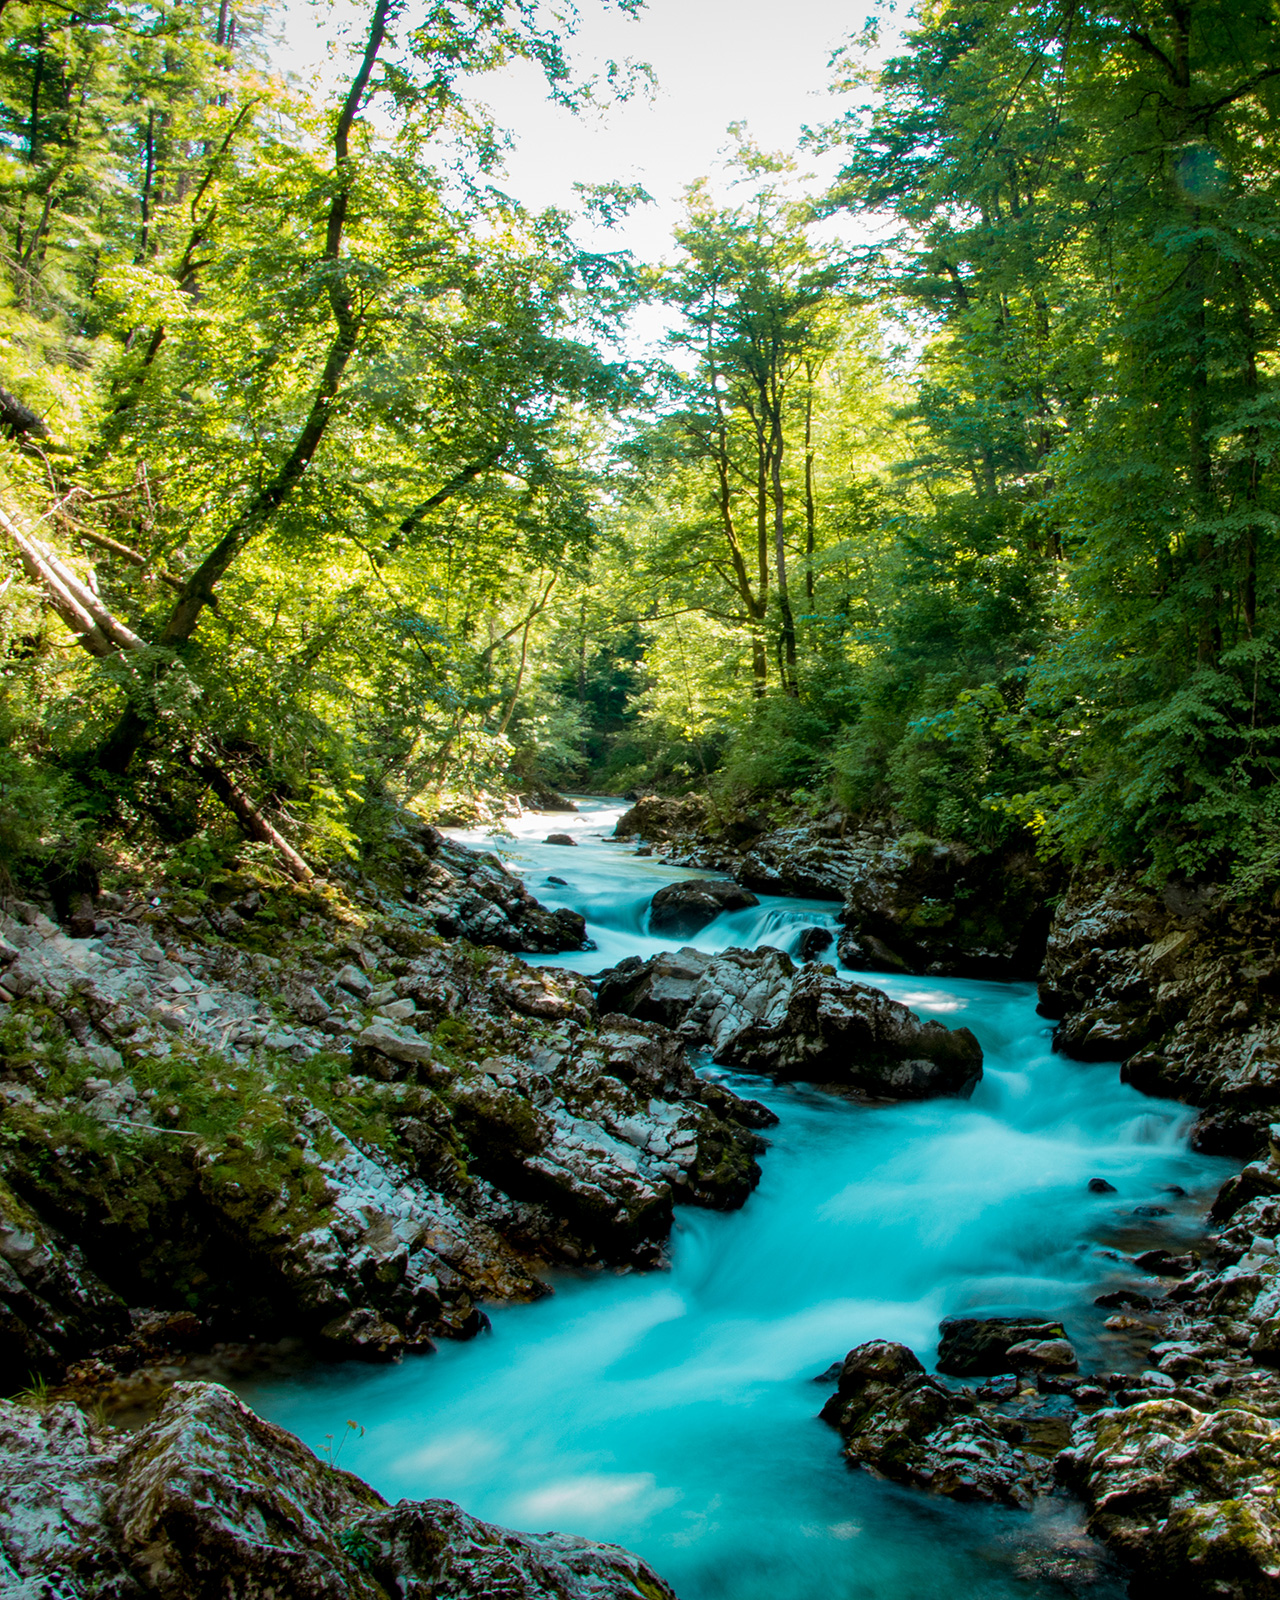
{"type": "Point", "coordinates": [676, 1412]}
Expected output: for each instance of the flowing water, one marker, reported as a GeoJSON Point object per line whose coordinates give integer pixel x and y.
{"type": "Point", "coordinates": [676, 1412]}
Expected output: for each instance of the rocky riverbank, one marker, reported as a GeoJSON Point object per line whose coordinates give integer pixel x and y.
{"type": "Point", "coordinates": [1183, 986]}
{"type": "Point", "coordinates": [1180, 985]}
{"type": "Point", "coordinates": [208, 1499]}
{"type": "Point", "coordinates": [268, 1110]}
{"type": "Point", "coordinates": [908, 903]}
{"type": "Point", "coordinates": [348, 1114]}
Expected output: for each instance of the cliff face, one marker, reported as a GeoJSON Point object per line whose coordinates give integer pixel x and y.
{"type": "Point", "coordinates": [1184, 987]}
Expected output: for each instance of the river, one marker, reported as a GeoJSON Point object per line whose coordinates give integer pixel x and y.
{"type": "Point", "coordinates": [676, 1412]}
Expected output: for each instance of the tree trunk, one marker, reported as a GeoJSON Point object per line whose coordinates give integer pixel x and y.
{"type": "Point", "coordinates": [788, 651]}
{"type": "Point", "coordinates": [132, 729]}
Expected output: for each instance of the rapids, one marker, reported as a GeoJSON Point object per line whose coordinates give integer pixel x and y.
{"type": "Point", "coordinates": [676, 1412]}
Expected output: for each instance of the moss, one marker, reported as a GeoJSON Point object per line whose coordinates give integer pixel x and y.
{"type": "Point", "coordinates": [455, 1035]}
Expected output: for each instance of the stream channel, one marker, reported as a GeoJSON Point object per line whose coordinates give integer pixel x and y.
{"type": "Point", "coordinates": [675, 1412]}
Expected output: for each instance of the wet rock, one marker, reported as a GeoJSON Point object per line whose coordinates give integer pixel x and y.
{"type": "Point", "coordinates": [560, 838]}
{"type": "Point", "coordinates": [208, 1499]}
{"type": "Point", "coordinates": [658, 990]}
{"type": "Point", "coordinates": [982, 1346]}
{"type": "Point", "coordinates": [1164, 1264]}
{"type": "Point", "coordinates": [1101, 1186]}
{"type": "Point", "coordinates": [1042, 1355]}
{"type": "Point", "coordinates": [905, 1425]}
{"type": "Point", "coordinates": [753, 1009]}
{"type": "Point", "coordinates": [1126, 1299]}
{"type": "Point", "coordinates": [1183, 988]}
{"type": "Point", "coordinates": [813, 941]}
{"type": "Point", "coordinates": [857, 1038]}
{"type": "Point", "coordinates": [1257, 1180]}
{"type": "Point", "coordinates": [653, 817]}
{"type": "Point", "coordinates": [683, 909]}
{"type": "Point", "coordinates": [1187, 1500]}
{"type": "Point", "coordinates": [56, 1483]}
{"type": "Point", "coordinates": [604, 1125]}
{"type": "Point", "coordinates": [432, 1547]}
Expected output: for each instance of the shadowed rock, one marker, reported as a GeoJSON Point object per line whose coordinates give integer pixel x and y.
{"type": "Point", "coordinates": [682, 909]}
{"type": "Point", "coordinates": [897, 1420]}
{"type": "Point", "coordinates": [971, 1347]}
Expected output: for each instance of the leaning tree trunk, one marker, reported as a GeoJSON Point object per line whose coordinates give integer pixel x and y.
{"type": "Point", "coordinates": [100, 633]}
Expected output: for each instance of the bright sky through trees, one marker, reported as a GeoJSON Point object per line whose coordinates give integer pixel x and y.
{"type": "Point", "coordinates": [715, 62]}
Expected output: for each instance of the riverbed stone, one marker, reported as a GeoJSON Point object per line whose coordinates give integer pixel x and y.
{"type": "Point", "coordinates": [855, 1037]}
{"type": "Point", "coordinates": [660, 989]}
{"type": "Point", "coordinates": [755, 1010]}
{"type": "Point", "coordinates": [684, 908]}
{"type": "Point", "coordinates": [905, 1425]}
{"type": "Point", "coordinates": [983, 1346]}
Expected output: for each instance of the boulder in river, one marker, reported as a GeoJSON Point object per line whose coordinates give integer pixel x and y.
{"type": "Point", "coordinates": [660, 989]}
{"type": "Point", "coordinates": [905, 1425]}
{"type": "Point", "coordinates": [970, 1347]}
{"type": "Point", "coordinates": [685, 908]}
{"type": "Point", "coordinates": [753, 1009]}
{"type": "Point", "coordinates": [855, 1037]}
{"type": "Point", "coordinates": [813, 941]}
{"type": "Point", "coordinates": [656, 817]}
{"type": "Point", "coordinates": [209, 1499]}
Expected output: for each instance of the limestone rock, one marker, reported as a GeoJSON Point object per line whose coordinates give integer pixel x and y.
{"type": "Point", "coordinates": [1188, 1500]}
{"type": "Point", "coordinates": [684, 908]}
{"type": "Point", "coordinates": [907, 1426]}
{"type": "Point", "coordinates": [854, 1036]}
{"type": "Point", "coordinates": [660, 989]}
{"type": "Point", "coordinates": [753, 1009]}
{"type": "Point", "coordinates": [210, 1500]}
{"type": "Point", "coordinates": [982, 1346]}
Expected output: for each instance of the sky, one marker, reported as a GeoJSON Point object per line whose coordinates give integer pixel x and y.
{"type": "Point", "coordinates": [760, 62]}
